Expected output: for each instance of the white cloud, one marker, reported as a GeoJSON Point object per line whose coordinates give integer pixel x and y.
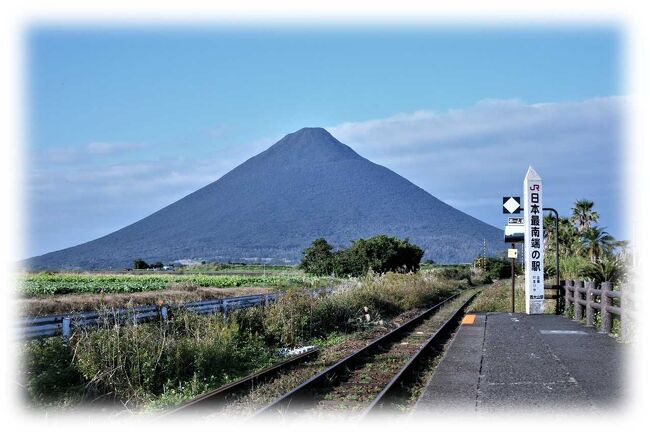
{"type": "Point", "coordinates": [470, 157]}
{"type": "Point", "coordinates": [107, 148]}
{"type": "Point", "coordinates": [487, 123]}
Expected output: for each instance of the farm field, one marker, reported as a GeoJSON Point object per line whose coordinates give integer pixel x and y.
{"type": "Point", "coordinates": [68, 283]}
{"type": "Point", "coordinates": [52, 293]}
{"type": "Point", "coordinates": [239, 269]}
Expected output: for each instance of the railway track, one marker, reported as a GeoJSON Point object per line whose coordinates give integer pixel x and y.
{"type": "Point", "coordinates": [224, 394]}
{"type": "Point", "coordinates": [368, 380]}
{"type": "Point", "coordinates": [364, 382]}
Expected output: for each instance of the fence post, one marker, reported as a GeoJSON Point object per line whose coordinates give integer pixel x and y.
{"type": "Point", "coordinates": [568, 290]}
{"type": "Point", "coordinates": [577, 296]}
{"type": "Point", "coordinates": [626, 313]}
{"type": "Point", "coordinates": [589, 311]}
{"type": "Point", "coordinates": [605, 301]}
{"type": "Point", "coordinates": [65, 328]}
{"type": "Point", "coordinates": [561, 297]}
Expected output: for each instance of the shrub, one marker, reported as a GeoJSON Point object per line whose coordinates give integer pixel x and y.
{"type": "Point", "coordinates": [453, 272]}
{"type": "Point", "coordinates": [379, 253]}
{"type": "Point", "coordinates": [496, 268]}
{"type": "Point", "coordinates": [50, 373]}
{"type": "Point", "coordinates": [606, 269]}
{"type": "Point", "coordinates": [136, 363]}
{"type": "Point", "coordinates": [349, 263]}
{"type": "Point", "coordinates": [318, 259]}
{"type": "Point", "coordinates": [573, 267]}
{"type": "Point", "coordinates": [287, 321]}
{"type": "Point", "coordinates": [298, 317]}
{"type": "Point", "coordinates": [140, 264]}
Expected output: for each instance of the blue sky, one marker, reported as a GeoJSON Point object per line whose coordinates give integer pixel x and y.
{"type": "Point", "coordinates": [123, 121]}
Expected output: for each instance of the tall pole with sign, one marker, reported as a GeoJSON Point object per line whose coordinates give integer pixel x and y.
{"type": "Point", "coordinates": [533, 243]}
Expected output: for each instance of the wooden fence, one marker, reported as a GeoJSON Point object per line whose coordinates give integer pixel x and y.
{"type": "Point", "coordinates": [586, 299]}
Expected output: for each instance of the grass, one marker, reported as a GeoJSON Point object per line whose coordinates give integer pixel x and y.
{"type": "Point", "coordinates": [156, 364]}
{"type": "Point", "coordinates": [144, 364]}
{"type": "Point", "coordinates": [498, 298]}
{"type": "Point", "coordinates": [66, 283]}
{"type": "Point", "coordinates": [69, 303]}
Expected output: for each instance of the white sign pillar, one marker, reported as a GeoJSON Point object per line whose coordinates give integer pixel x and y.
{"type": "Point", "coordinates": [533, 243]}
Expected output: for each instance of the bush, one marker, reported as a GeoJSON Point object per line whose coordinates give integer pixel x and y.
{"type": "Point", "coordinates": [287, 321]}
{"type": "Point", "coordinates": [140, 264]}
{"type": "Point", "coordinates": [349, 263]}
{"type": "Point", "coordinates": [380, 254]}
{"type": "Point", "coordinates": [50, 373]}
{"type": "Point", "coordinates": [460, 272]}
{"type": "Point", "coordinates": [573, 267]}
{"type": "Point", "coordinates": [298, 317]}
{"type": "Point", "coordinates": [496, 268]}
{"type": "Point", "coordinates": [606, 269]}
{"type": "Point", "coordinates": [318, 259]}
{"type": "Point", "coordinates": [136, 363]}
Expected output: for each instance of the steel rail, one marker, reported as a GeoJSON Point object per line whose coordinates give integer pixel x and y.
{"type": "Point", "coordinates": [217, 397]}
{"type": "Point", "coordinates": [438, 337]}
{"type": "Point", "coordinates": [299, 395]}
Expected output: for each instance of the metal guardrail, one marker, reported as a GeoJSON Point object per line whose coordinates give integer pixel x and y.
{"type": "Point", "coordinates": [63, 324]}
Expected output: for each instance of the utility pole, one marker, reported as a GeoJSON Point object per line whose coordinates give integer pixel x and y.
{"type": "Point", "coordinates": [484, 255]}
{"type": "Point", "coordinates": [512, 273]}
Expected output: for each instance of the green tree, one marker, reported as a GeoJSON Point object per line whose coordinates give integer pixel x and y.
{"type": "Point", "coordinates": [570, 242]}
{"type": "Point", "coordinates": [596, 243]}
{"type": "Point", "coordinates": [318, 259]}
{"type": "Point", "coordinates": [350, 263]}
{"type": "Point", "coordinates": [583, 214]}
{"type": "Point", "coordinates": [140, 264]}
{"type": "Point", "coordinates": [380, 254]}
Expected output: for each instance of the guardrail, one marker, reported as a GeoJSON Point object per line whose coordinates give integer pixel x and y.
{"type": "Point", "coordinates": [63, 324]}
{"type": "Point", "coordinates": [586, 299]}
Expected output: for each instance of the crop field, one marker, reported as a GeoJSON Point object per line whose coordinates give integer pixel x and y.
{"type": "Point", "coordinates": [65, 283]}
{"type": "Point", "coordinates": [238, 268]}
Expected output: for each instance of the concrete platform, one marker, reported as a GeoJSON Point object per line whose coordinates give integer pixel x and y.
{"type": "Point", "coordinates": [503, 361]}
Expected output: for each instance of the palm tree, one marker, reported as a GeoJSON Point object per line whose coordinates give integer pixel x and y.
{"type": "Point", "coordinates": [583, 214]}
{"type": "Point", "coordinates": [611, 269]}
{"type": "Point", "coordinates": [569, 238]}
{"type": "Point", "coordinates": [596, 242]}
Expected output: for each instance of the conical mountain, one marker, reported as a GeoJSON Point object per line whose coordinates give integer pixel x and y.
{"type": "Point", "coordinates": [307, 185]}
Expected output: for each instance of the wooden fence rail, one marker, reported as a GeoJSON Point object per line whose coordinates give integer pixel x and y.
{"type": "Point", "coordinates": [586, 299]}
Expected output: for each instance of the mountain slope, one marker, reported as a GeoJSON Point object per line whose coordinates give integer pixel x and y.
{"type": "Point", "coordinates": [307, 185]}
